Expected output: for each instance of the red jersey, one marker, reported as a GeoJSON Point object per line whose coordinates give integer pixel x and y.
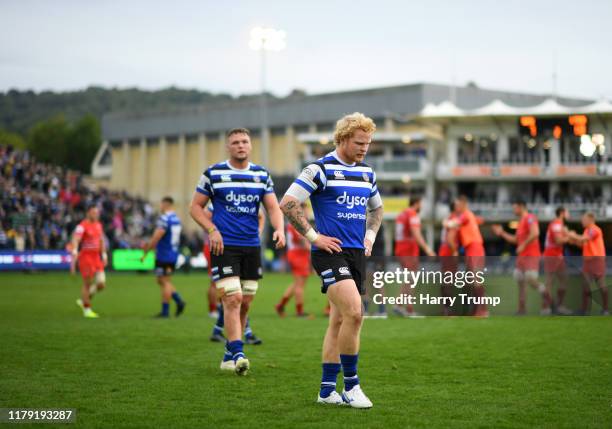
{"type": "Point", "coordinates": [523, 231]}
{"type": "Point", "coordinates": [554, 230]}
{"type": "Point", "coordinates": [295, 241]}
{"type": "Point", "coordinates": [595, 245]}
{"type": "Point", "coordinates": [91, 236]}
{"type": "Point", "coordinates": [449, 223]}
{"type": "Point", "coordinates": [403, 223]}
{"type": "Point", "coordinates": [405, 243]}
{"type": "Point", "coordinates": [469, 232]}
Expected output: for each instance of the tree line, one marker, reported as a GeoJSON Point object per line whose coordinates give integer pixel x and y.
{"type": "Point", "coordinates": [64, 127]}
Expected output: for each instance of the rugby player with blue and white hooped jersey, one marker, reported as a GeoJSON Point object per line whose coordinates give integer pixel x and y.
{"type": "Point", "coordinates": [348, 212]}
{"type": "Point", "coordinates": [166, 240]}
{"type": "Point", "coordinates": [237, 188]}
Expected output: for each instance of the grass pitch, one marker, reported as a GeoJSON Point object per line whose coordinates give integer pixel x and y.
{"type": "Point", "coordinates": [128, 370]}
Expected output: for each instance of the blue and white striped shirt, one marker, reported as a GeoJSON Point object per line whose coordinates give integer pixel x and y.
{"type": "Point", "coordinates": [236, 195]}
{"type": "Point", "coordinates": [168, 246]}
{"type": "Point", "coordinates": [340, 195]}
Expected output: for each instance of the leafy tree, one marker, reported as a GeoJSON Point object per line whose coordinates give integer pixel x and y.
{"type": "Point", "coordinates": [47, 140]}
{"type": "Point", "coordinates": [12, 139]}
{"type": "Point", "coordinates": [82, 143]}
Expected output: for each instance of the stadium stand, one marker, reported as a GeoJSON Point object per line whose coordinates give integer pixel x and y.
{"type": "Point", "coordinates": [40, 204]}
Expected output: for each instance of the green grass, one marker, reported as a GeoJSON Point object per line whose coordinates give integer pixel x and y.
{"type": "Point", "coordinates": [128, 370]}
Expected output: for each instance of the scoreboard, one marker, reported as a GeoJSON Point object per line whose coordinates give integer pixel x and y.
{"type": "Point", "coordinates": [556, 127]}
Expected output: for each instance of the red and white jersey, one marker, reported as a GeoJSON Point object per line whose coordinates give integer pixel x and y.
{"type": "Point", "coordinates": [406, 220]}
{"type": "Point", "coordinates": [450, 222]}
{"type": "Point", "coordinates": [554, 230]}
{"type": "Point", "coordinates": [91, 236]}
{"type": "Point", "coordinates": [523, 231]}
{"type": "Point", "coordinates": [295, 241]}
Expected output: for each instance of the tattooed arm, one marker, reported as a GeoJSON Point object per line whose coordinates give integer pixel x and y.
{"type": "Point", "coordinates": [374, 219]}
{"type": "Point", "coordinates": [292, 208]}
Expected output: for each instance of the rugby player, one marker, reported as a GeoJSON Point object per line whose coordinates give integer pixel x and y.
{"type": "Point", "coordinates": [593, 261]}
{"type": "Point", "coordinates": [217, 332]}
{"type": "Point", "coordinates": [236, 187]}
{"type": "Point", "coordinates": [527, 241]}
{"type": "Point", "coordinates": [408, 243]}
{"type": "Point", "coordinates": [298, 257]}
{"type": "Point", "coordinates": [341, 188]}
{"type": "Point", "coordinates": [166, 239]}
{"type": "Point", "coordinates": [449, 251]}
{"type": "Point", "coordinates": [471, 240]}
{"type": "Point", "coordinates": [89, 249]}
{"type": "Point", "coordinates": [554, 261]}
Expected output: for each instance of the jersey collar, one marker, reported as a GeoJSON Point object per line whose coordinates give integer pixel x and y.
{"type": "Point", "coordinates": [237, 169]}
{"type": "Point", "coordinates": [335, 155]}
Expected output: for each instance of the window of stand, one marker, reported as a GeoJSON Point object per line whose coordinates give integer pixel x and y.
{"type": "Point", "coordinates": [475, 149]}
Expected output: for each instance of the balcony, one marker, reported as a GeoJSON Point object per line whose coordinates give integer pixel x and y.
{"type": "Point", "coordinates": [530, 171]}
{"type": "Point", "coordinates": [494, 212]}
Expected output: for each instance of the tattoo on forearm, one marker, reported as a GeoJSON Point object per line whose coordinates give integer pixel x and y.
{"type": "Point", "coordinates": [296, 216]}
{"type": "Point", "coordinates": [374, 219]}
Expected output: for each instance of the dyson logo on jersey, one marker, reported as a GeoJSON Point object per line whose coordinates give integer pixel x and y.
{"type": "Point", "coordinates": [241, 198]}
{"type": "Point", "coordinates": [351, 201]}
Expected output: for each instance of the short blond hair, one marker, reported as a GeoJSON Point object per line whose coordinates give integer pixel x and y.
{"type": "Point", "coordinates": [347, 125]}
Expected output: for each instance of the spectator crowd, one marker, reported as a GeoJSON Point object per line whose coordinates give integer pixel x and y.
{"type": "Point", "coordinates": [41, 204]}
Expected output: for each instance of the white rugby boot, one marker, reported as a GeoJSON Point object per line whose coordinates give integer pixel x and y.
{"type": "Point", "coordinates": [334, 398]}
{"type": "Point", "coordinates": [356, 398]}
{"type": "Point", "coordinates": [242, 366]}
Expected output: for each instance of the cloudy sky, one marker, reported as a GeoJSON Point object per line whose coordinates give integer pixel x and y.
{"type": "Point", "coordinates": [331, 45]}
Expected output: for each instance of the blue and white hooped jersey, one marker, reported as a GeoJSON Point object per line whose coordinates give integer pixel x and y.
{"type": "Point", "coordinates": [236, 195]}
{"type": "Point", "coordinates": [340, 195]}
{"type": "Point", "coordinates": [167, 249]}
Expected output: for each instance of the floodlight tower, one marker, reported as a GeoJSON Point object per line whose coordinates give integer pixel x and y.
{"type": "Point", "coordinates": [265, 39]}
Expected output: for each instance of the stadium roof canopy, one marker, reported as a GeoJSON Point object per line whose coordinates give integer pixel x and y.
{"type": "Point", "coordinates": [549, 107]}
{"type": "Point", "coordinates": [406, 101]}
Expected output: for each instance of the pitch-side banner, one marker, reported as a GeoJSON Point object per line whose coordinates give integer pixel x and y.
{"type": "Point", "coordinates": [35, 260]}
{"type": "Point", "coordinates": [129, 260]}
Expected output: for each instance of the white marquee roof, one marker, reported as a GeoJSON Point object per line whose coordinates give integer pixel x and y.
{"type": "Point", "coordinates": [447, 109]}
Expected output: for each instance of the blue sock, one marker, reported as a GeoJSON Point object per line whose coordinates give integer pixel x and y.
{"type": "Point", "coordinates": [381, 308]}
{"type": "Point", "coordinates": [177, 298]}
{"type": "Point", "coordinates": [220, 321]}
{"type": "Point", "coordinates": [218, 328]}
{"type": "Point", "coordinates": [227, 355]}
{"type": "Point", "coordinates": [235, 348]}
{"type": "Point", "coordinates": [248, 332]}
{"type": "Point", "coordinates": [165, 308]}
{"type": "Point", "coordinates": [328, 381]}
{"type": "Point", "coordinates": [349, 366]}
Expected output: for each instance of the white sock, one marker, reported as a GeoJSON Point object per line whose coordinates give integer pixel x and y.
{"type": "Point", "coordinates": [93, 289]}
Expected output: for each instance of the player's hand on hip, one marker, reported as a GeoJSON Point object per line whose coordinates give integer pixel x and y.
{"type": "Point", "coordinates": [368, 247]}
{"type": "Point", "coordinates": [279, 238]}
{"type": "Point", "coordinates": [216, 243]}
{"type": "Point", "coordinates": [329, 244]}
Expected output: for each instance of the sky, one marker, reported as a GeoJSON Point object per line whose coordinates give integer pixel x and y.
{"type": "Point", "coordinates": [331, 45]}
